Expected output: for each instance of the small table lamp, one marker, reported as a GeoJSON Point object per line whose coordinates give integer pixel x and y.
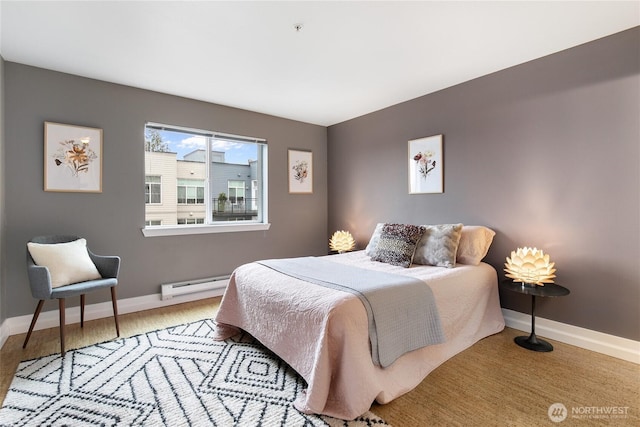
{"type": "Point", "coordinates": [530, 266]}
{"type": "Point", "coordinates": [342, 241]}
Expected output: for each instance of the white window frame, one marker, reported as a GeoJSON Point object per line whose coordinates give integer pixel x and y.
{"type": "Point", "coordinates": [190, 221]}
{"type": "Point", "coordinates": [186, 189]}
{"type": "Point", "coordinates": [222, 226]}
{"type": "Point", "coordinates": [153, 183]}
{"type": "Point", "coordinates": [236, 188]}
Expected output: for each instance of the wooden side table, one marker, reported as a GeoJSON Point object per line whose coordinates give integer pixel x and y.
{"type": "Point", "coordinates": [548, 290]}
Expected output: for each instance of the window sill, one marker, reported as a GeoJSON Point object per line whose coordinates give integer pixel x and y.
{"type": "Point", "coordinates": [182, 230]}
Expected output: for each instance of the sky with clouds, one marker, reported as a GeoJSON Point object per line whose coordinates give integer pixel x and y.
{"type": "Point", "coordinates": [184, 143]}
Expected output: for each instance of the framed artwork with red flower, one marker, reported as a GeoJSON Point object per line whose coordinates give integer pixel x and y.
{"type": "Point", "coordinates": [72, 158]}
{"type": "Point", "coordinates": [425, 165]}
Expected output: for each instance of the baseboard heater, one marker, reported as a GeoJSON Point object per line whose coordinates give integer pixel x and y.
{"type": "Point", "coordinates": [170, 290]}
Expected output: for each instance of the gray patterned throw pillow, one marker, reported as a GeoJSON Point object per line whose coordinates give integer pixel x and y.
{"type": "Point", "coordinates": [438, 245]}
{"type": "Point", "coordinates": [397, 244]}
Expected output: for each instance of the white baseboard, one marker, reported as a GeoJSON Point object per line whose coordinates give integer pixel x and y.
{"type": "Point", "coordinates": [611, 345]}
{"type": "Point", "coordinates": [621, 348]}
{"type": "Point", "coordinates": [4, 333]}
{"type": "Point", "coordinates": [50, 319]}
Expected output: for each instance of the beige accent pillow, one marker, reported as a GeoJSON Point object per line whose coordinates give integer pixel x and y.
{"type": "Point", "coordinates": [438, 245]}
{"type": "Point", "coordinates": [474, 244]}
{"type": "Point", "coordinates": [67, 262]}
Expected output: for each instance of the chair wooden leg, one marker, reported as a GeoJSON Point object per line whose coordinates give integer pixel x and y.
{"type": "Point", "coordinates": [33, 322]}
{"type": "Point", "coordinates": [61, 309]}
{"type": "Point", "coordinates": [82, 311]}
{"type": "Point", "coordinates": [114, 302]}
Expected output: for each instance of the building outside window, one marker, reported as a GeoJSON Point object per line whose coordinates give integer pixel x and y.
{"type": "Point", "coordinates": [202, 177]}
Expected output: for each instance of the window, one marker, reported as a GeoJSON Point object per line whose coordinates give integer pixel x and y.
{"type": "Point", "coordinates": [203, 178]}
{"type": "Point", "coordinates": [236, 192]}
{"type": "Point", "coordinates": [153, 189]}
{"type": "Point", "coordinates": [190, 191]}
{"type": "Point", "coordinates": [182, 221]}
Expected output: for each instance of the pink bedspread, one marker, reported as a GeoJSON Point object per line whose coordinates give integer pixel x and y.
{"type": "Point", "coordinates": [323, 333]}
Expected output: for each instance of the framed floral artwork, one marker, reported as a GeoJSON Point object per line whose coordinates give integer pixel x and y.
{"type": "Point", "coordinates": [300, 172]}
{"type": "Point", "coordinates": [72, 158]}
{"type": "Point", "coordinates": [425, 165]}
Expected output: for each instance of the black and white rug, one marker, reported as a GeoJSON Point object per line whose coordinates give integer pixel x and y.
{"type": "Point", "coordinates": [171, 377]}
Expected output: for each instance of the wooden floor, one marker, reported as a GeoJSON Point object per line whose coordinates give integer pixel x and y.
{"type": "Point", "coordinates": [494, 383]}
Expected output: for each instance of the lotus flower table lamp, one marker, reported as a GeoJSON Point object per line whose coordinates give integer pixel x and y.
{"type": "Point", "coordinates": [530, 266]}
{"type": "Point", "coordinates": [341, 241]}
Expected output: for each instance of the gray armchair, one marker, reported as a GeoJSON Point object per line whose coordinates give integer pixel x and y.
{"type": "Point", "coordinates": [41, 289]}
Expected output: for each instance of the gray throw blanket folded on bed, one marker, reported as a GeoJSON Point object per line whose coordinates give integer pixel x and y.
{"type": "Point", "coordinates": [401, 310]}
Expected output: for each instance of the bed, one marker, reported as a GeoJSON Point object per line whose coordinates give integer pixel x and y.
{"type": "Point", "coordinates": [322, 333]}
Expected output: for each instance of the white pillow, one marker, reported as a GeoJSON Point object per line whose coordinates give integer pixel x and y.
{"type": "Point", "coordinates": [373, 242]}
{"type": "Point", "coordinates": [438, 245]}
{"type": "Point", "coordinates": [67, 262]}
{"type": "Point", "coordinates": [474, 244]}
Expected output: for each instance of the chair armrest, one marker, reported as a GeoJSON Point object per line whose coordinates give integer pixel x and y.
{"type": "Point", "coordinates": [108, 266]}
{"type": "Point", "coordinates": [39, 281]}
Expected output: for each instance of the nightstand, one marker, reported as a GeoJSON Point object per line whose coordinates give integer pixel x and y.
{"type": "Point", "coordinates": [548, 290]}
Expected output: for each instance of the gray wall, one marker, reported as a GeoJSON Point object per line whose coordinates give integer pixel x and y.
{"type": "Point", "coordinates": [111, 221]}
{"type": "Point", "coordinates": [545, 153]}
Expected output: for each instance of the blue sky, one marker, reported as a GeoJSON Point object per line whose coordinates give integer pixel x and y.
{"type": "Point", "coordinates": [183, 143]}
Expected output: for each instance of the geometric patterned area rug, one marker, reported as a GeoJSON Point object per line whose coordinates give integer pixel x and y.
{"type": "Point", "coordinates": [172, 377]}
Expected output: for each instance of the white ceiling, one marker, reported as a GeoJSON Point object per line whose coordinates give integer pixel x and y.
{"type": "Point", "coordinates": [349, 59]}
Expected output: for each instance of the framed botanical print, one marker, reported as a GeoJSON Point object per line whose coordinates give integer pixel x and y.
{"type": "Point", "coordinates": [425, 165]}
{"type": "Point", "coordinates": [300, 172]}
{"type": "Point", "coordinates": [72, 158]}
